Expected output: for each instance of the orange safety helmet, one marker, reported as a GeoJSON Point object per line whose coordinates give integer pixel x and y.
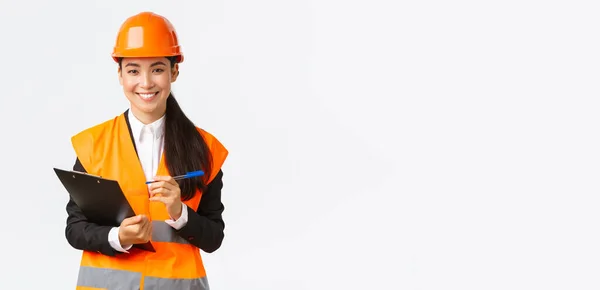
{"type": "Point", "coordinates": [147, 35]}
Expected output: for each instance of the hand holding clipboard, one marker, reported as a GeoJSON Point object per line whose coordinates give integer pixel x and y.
{"type": "Point", "coordinates": [101, 200]}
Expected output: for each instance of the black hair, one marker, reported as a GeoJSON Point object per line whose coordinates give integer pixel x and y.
{"type": "Point", "coordinates": [185, 148]}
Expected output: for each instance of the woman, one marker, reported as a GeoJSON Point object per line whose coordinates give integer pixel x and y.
{"type": "Point", "coordinates": [152, 140]}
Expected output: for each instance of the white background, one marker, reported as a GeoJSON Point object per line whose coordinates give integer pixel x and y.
{"type": "Point", "coordinates": [374, 145]}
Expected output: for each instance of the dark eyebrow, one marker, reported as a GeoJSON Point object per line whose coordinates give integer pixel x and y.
{"type": "Point", "coordinates": [157, 63]}
{"type": "Point", "coordinates": [137, 65]}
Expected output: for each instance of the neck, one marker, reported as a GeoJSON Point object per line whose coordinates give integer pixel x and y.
{"type": "Point", "coordinates": [147, 118]}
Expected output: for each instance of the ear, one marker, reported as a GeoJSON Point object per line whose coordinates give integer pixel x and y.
{"type": "Point", "coordinates": [175, 73]}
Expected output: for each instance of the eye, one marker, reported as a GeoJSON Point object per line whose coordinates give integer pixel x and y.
{"type": "Point", "coordinates": [133, 71]}
{"type": "Point", "coordinates": [159, 70]}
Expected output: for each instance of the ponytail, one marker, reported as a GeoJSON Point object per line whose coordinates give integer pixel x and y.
{"type": "Point", "coordinates": [185, 149]}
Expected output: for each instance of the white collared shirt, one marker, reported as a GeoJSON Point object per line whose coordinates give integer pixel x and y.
{"type": "Point", "coordinates": [149, 142]}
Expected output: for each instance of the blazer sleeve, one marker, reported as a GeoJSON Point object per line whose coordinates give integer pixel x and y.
{"type": "Point", "coordinates": [205, 227]}
{"type": "Point", "coordinates": [84, 235]}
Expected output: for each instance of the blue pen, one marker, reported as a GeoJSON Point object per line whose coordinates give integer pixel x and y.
{"type": "Point", "coordinates": [187, 175]}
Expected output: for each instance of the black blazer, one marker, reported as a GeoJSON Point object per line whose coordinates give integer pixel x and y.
{"type": "Point", "coordinates": [204, 228]}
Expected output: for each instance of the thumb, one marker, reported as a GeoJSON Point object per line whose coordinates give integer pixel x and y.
{"type": "Point", "coordinates": [132, 220]}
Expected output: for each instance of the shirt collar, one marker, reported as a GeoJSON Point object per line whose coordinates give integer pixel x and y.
{"type": "Point", "coordinates": [157, 127]}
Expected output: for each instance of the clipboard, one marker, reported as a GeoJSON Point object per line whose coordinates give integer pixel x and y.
{"type": "Point", "coordinates": [101, 200]}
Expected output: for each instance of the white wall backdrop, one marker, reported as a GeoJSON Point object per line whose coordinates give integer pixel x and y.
{"type": "Point", "coordinates": [374, 144]}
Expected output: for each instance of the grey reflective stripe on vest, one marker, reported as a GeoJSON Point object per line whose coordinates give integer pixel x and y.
{"type": "Point", "coordinates": [119, 279]}
{"type": "Point", "coordinates": [108, 278]}
{"type": "Point", "coordinates": [152, 283]}
{"type": "Point", "coordinates": [163, 232]}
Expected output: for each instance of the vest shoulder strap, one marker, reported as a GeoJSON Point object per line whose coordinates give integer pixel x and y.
{"type": "Point", "coordinates": [218, 152]}
{"type": "Point", "coordinates": [87, 141]}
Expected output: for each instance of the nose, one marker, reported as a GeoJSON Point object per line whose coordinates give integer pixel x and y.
{"type": "Point", "coordinates": [146, 81]}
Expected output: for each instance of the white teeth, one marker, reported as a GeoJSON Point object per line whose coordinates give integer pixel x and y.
{"type": "Point", "coordinates": [147, 96]}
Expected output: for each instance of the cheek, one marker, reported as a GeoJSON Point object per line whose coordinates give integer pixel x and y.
{"type": "Point", "coordinates": [129, 84]}
{"type": "Point", "coordinates": [163, 83]}
{"type": "Point", "coordinates": [160, 78]}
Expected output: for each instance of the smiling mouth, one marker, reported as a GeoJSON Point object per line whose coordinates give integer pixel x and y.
{"type": "Point", "coordinates": [147, 95]}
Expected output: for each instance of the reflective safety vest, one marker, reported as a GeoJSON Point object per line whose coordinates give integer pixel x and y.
{"type": "Point", "coordinates": [107, 150]}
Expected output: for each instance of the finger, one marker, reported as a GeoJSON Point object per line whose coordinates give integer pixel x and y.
{"type": "Point", "coordinates": [170, 193]}
{"type": "Point", "coordinates": [165, 178]}
{"type": "Point", "coordinates": [129, 221]}
{"type": "Point", "coordinates": [160, 190]}
{"type": "Point", "coordinates": [164, 184]}
{"type": "Point", "coordinates": [158, 184]}
{"type": "Point", "coordinates": [165, 191]}
{"type": "Point", "coordinates": [161, 193]}
{"type": "Point", "coordinates": [162, 199]}
{"type": "Point", "coordinates": [170, 181]}
{"type": "Point", "coordinates": [143, 227]}
{"type": "Point", "coordinates": [132, 220]}
{"type": "Point", "coordinates": [149, 230]}
{"type": "Point", "coordinates": [143, 218]}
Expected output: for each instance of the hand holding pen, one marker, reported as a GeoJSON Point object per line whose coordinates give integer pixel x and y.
{"type": "Point", "coordinates": [165, 189]}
